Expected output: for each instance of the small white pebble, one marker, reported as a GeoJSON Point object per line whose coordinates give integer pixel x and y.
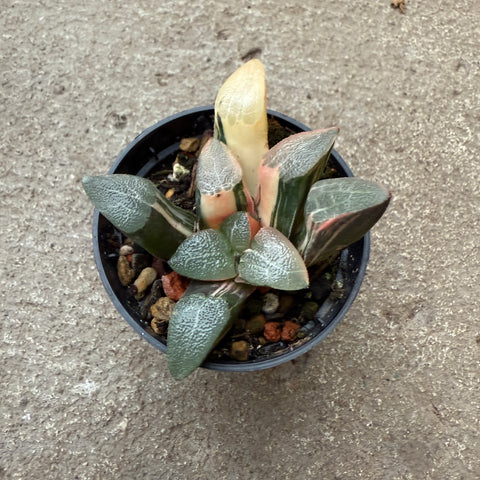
{"type": "Point", "coordinates": [270, 303]}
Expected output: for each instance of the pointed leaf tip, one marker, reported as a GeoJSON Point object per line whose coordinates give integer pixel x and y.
{"type": "Point", "coordinates": [205, 255]}
{"type": "Point", "coordinates": [298, 154]}
{"type": "Point", "coordinates": [218, 169]}
{"type": "Point", "coordinates": [339, 212]}
{"type": "Point", "coordinates": [273, 261]}
{"type": "Point", "coordinates": [125, 200]}
{"type": "Point", "coordinates": [135, 206]}
{"type": "Point", "coordinates": [219, 184]}
{"type": "Point", "coordinates": [196, 323]}
{"type": "Point", "coordinates": [241, 118]}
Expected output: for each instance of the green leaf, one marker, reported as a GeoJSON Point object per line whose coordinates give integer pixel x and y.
{"type": "Point", "coordinates": [205, 255]}
{"type": "Point", "coordinates": [135, 206]}
{"type": "Point", "coordinates": [339, 212]}
{"type": "Point", "coordinates": [273, 261]}
{"type": "Point", "coordinates": [237, 229]}
{"type": "Point", "coordinates": [199, 320]}
{"type": "Point", "coordinates": [219, 184]}
{"type": "Point", "coordinates": [286, 174]}
{"type": "Point", "coordinates": [241, 118]}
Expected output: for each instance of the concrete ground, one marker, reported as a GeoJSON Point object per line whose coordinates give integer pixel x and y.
{"type": "Point", "coordinates": [393, 393]}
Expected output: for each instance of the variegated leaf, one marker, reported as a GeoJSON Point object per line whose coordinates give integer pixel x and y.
{"type": "Point", "coordinates": [286, 174]}
{"type": "Point", "coordinates": [135, 206]}
{"type": "Point", "coordinates": [241, 118]}
{"type": "Point", "coordinates": [219, 184]}
{"type": "Point", "coordinates": [338, 212]}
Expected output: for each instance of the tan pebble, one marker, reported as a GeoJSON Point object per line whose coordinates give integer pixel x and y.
{"type": "Point", "coordinates": [125, 272]}
{"type": "Point", "coordinates": [270, 303]}
{"type": "Point", "coordinates": [239, 351]}
{"type": "Point", "coordinates": [189, 144]}
{"type": "Point", "coordinates": [159, 326]}
{"type": "Point", "coordinates": [145, 279]}
{"type": "Point", "coordinates": [162, 308]}
{"type": "Point", "coordinates": [126, 250]}
{"type": "Point", "coordinates": [161, 311]}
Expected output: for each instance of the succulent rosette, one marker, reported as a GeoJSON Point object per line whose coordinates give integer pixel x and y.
{"type": "Point", "coordinates": [263, 217]}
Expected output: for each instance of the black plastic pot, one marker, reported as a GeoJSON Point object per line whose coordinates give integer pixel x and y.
{"type": "Point", "coordinates": [146, 153]}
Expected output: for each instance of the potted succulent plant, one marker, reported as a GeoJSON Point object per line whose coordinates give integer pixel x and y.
{"type": "Point", "coordinates": [265, 218]}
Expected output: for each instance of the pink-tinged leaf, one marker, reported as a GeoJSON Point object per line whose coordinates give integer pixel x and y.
{"type": "Point", "coordinates": [267, 193]}
{"type": "Point", "coordinates": [214, 209]}
{"type": "Point", "coordinates": [219, 184]}
{"type": "Point", "coordinates": [286, 174]}
{"type": "Point", "coordinates": [339, 212]}
{"type": "Point", "coordinates": [254, 226]}
{"type": "Point", "coordinates": [273, 261]}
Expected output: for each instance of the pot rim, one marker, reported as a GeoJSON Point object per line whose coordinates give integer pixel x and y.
{"type": "Point", "coordinates": [255, 364]}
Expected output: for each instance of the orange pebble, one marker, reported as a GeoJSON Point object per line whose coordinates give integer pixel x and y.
{"type": "Point", "coordinates": [289, 331]}
{"type": "Point", "coordinates": [174, 285]}
{"type": "Point", "coordinates": [272, 331]}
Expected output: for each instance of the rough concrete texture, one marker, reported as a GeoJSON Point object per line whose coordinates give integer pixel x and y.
{"type": "Point", "coordinates": [393, 393]}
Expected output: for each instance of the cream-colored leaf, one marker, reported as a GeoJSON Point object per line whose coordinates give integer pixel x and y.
{"type": "Point", "coordinates": [241, 118]}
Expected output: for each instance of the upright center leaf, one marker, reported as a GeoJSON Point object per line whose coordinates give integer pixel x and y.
{"type": "Point", "coordinates": [241, 118]}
